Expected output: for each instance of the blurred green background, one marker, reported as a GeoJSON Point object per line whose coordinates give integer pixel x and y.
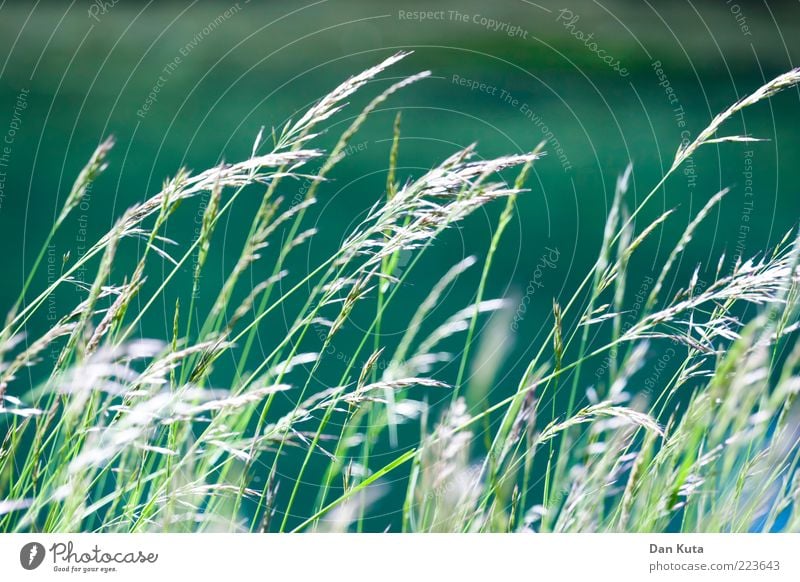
{"type": "Point", "coordinates": [506, 74]}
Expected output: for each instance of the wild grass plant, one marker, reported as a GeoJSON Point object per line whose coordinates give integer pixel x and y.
{"type": "Point", "coordinates": [105, 431]}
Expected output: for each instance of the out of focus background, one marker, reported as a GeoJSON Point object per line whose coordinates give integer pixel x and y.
{"type": "Point", "coordinates": [603, 83]}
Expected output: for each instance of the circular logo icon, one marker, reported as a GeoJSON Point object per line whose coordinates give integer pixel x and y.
{"type": "Point", "coordinates": [31, 555]}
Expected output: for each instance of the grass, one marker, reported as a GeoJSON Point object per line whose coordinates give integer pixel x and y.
{"type": "Point", "coordinates": [123, 434]}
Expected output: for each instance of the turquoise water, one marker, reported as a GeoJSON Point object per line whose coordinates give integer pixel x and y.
{"type": "Point", "coordinates": [183, 84]}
